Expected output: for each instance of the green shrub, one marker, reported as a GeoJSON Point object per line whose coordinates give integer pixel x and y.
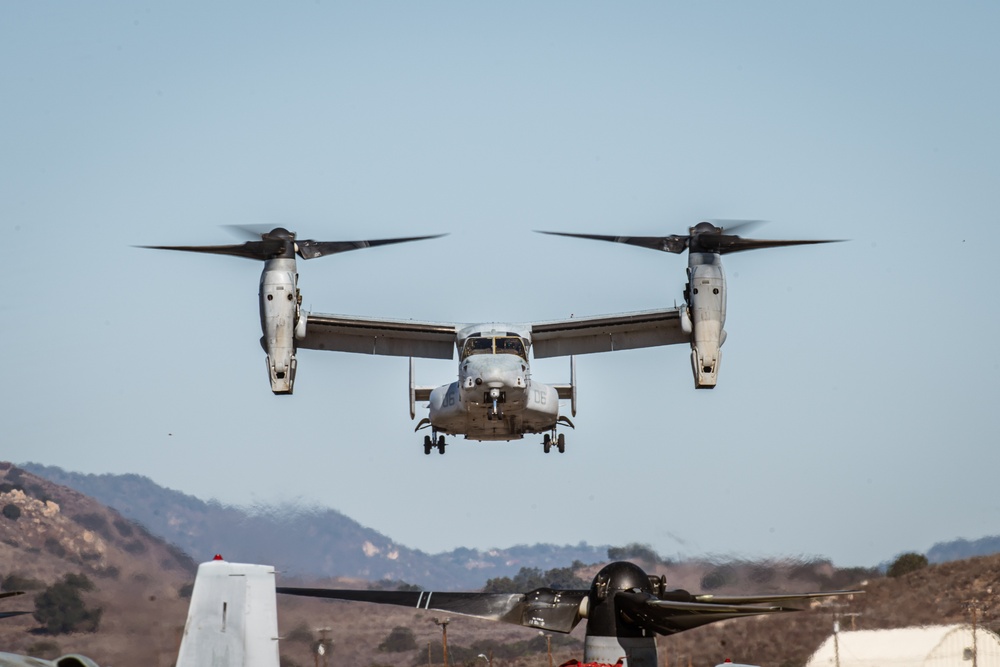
{"type": "Point", "coordinates": [906, 563]}
{"type": "Point", "coordinates": [399, 639]}
{"type": "Point", "coordinates": [12, 512]}
{"type": "Point", "coordinates": [60, 608]}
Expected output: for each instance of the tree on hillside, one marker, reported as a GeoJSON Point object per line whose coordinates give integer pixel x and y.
{"type": "Point", "coordinates": [530, 578]}
{"type": "Point", "coordinates": [636, 551]}
{"type": "Point", "coordinates": [400, 639]}
{"type": "Point", "coordinates": [60, 607]}
{"type": "Point", "coordinates": [906, 563]}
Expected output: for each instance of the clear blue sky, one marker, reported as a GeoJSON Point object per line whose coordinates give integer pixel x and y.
{"type": "Point", "coordinates": [856, 413]}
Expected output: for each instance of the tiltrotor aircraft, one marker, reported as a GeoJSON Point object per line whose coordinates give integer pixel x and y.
{"type": "Point", "coordinates": [625, 608]}
{"type": "Point", "coordinates": [703, 316]}
{"type": "Point", "coordinates": [495, 397]}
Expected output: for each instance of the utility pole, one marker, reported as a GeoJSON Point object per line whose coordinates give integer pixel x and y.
{"type": "Point", "coordinates": [548, 646]}
{"type": "Point", "coordinates": [836, 641]}
{"type": "Point", "coordinates": [323, 647]}
{"type": "Point", "coordinates": [443, 622]}
{"type": "Point", "coordinates": [975, 606]}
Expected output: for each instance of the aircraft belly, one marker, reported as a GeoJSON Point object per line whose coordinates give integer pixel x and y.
{"type": "Point", "coordinates": [535, 411]}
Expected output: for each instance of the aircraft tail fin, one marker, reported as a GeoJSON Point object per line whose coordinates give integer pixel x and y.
{"type": "Point", "coordinates": [233, 617]}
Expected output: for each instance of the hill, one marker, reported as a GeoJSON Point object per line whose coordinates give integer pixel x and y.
{"type": "Point", "coordinates": [308, 541]}
{"type": "Point", "coordinates": [48, 531]}
{"type": "Point", "coordinates": [937, 594]}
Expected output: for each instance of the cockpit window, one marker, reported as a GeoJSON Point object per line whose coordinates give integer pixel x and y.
{"type": "Point", "coordinates": [498, 345]}
{"type": "Point", "coordinates": [510, 346]}
{"type": "Point", "coordinates": [478, 346]}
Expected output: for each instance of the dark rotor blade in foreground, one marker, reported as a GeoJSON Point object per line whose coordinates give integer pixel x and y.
{"type": "Point", "coordinates": [543, 608]}
{"type": "Point", "coordinates": [669, 617]}
{"type": "Point", "coordinates": [9, 614]}
{"type": "Point", "coordinates": [309, 249]}
{"type": "Point", "coordinates": [783, 598]}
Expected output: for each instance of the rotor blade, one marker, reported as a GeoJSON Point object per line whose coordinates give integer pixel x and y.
{"type": "Point", "coordinates": [732, 226]}
{"type": "Point", "coordinates": [10, 594]}
{"type": "Point", "coordinates": [725, 243]}
{"type": "Point", "coordinates": [312, 249]}
{"type": "Point", "coordinates": [674, 243]}
{"type": "Point", "coordinates": [249, 232]}
{"type": "Point", "coordinates": [771, 599]}
{"type": "Point", "coordinates": [668, 617]}
{"type": "Point", "coordinates": [9, 614]}
{"type": "Point", "coordinates": [545, 608]}
{"type": "Point", "coordinates": [261, 250]}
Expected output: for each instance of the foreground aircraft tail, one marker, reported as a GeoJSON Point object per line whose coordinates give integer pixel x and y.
{"type": "Point", "coordinates": [233, 617]}
{"type": "Point", "coordinates": [232, 622]}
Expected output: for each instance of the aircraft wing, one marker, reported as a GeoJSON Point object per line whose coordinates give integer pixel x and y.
{"type": "Point", "coordinates": [544, 608]}
{"type": "Point", "coordinates": [606, 333]}
{"type": "Point", "coordinates": [368, 335]}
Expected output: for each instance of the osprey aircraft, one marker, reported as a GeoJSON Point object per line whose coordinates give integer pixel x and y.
{"type": "Point", "coordinates": [494, 397]}
{"type": "Point", "coordinates": [703, 316]}
{"type": "Point", "coordinates": [625, 608]}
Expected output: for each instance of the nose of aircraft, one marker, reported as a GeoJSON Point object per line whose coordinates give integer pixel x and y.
{"type": "Point", "coordinates": [500, 372]}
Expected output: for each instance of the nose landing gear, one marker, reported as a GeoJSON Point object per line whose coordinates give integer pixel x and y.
{"type": "Point", "coordinates": [494, 397]}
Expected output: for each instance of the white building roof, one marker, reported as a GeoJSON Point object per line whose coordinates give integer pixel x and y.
{"type": "Point", "coordinates": [933, 646]}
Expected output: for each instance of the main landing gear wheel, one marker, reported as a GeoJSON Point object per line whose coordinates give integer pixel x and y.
{"type": "Point", "coordinates": [561, 443]}
{"type": "Point", "coordinates": [547, 443]}
{"type": "Point", "coordinates": [440, 445]}
{"type": "Point", "coordinates": [427, 444]}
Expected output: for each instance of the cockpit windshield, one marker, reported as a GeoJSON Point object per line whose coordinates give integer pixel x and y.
{"type": "Point", "coordinates": [497, 345]}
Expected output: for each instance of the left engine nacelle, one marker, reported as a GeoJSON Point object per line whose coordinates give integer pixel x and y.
{"type": "Point", "coordinates": [279, 315]}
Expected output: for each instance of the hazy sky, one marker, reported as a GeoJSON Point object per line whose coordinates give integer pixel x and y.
{"type": "Point", "coordinates": [856, 412]}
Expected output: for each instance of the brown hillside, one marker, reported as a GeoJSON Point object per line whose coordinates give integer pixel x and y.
{"type": "Point", "coordinates": [938, 594]}
{"type": "Point", "coordinates": [55, 531]}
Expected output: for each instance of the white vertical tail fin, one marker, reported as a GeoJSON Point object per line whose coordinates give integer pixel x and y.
{"type": "Point", "coordinates": [233, 617]}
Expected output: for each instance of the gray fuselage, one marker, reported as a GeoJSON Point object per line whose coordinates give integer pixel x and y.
{"type": "Point", "coordinates": [494, 397]}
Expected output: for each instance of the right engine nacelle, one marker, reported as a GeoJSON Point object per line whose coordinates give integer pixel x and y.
{"type": "Point", "coordinates": [707, 315]}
